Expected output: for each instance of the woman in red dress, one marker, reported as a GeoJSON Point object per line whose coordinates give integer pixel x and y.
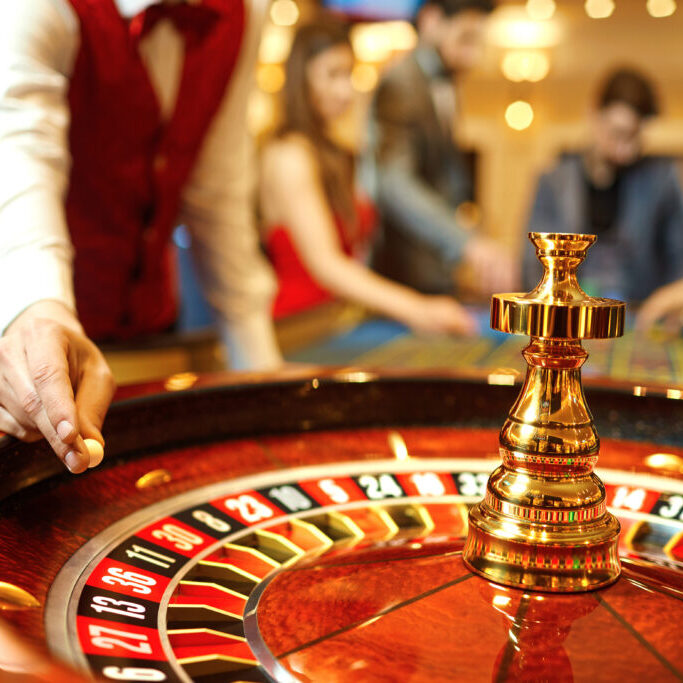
{"type": "Point", "coordinates": [318, 226]}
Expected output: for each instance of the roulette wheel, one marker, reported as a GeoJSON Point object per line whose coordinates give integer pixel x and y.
{"type": "Point", "coordinates": [330, 527]}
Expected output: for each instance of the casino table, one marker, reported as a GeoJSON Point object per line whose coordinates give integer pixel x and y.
{"type": "Point", "coordinates": [382, 343]}
{"type": "Point", "coordinates": [310, 527]}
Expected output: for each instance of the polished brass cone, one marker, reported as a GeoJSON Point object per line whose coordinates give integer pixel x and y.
{"type": "Point", "coordinates": [543, 524]}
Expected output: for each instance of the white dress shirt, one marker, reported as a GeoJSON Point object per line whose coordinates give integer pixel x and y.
{"type": "Point", "coordinates": [39, 41]}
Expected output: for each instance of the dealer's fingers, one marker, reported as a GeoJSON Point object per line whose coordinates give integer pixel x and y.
{"type": "Point", "coordinates": [10, 425]}
{"type": "Point", "coordinates": [45, 393]}
{"type": "Point", "coordinates": [11, 404]}
{"type": "Point", "coordinates": [13, 420]}
{"type": "Point", "coordinates": [48, 369]}
{"type": "Point", "coordinates": [93, 397]}
{"type": "Point", "coordinates": [28, 410]}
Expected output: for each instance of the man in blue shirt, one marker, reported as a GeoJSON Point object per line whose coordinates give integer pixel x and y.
{"type": "Point", "coordinates": [633, 203]}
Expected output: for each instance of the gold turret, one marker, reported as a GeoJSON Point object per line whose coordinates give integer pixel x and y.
{"type": "Point", "coordinates": [543, 523]}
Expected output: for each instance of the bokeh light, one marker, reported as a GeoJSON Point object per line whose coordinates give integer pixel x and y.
{"type": "Point", "coordinates": [540, 10]}
{"type": "Point", "coordinates": [284, 13]}
{"type": "Point", "coordinates": [519, 115]}
{"type": "Point", "coordinates": [661, 8]}
{"type": "Point", "coordinates": [511, 27]}
{"type": "Point", "coordinates": [275, 44]}
{"type": "Point", "coordinates": [270, 77]}
{"type": "Point", "coordinates": [403, 35]}
{"type": "Point", "coordinates": [378, 41]}
{"type": "Point", "coordinates": [599, 9]}
{"type": "Point", "coordinates": [370, 43]}
{"type": "Point", "coordinates": [525, 65]}
{"type": "Point", "coordinates": [260, 112]}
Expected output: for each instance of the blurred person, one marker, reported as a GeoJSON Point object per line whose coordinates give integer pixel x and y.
{"type": "Point", "coordinates": [664, 306]}
{"type": "Point", "coordinates": [634, 204]}
{"type": "Point", "coordinates": [316, 223]}
{"type": "Point", "coordinates": [420, 175]}
{"type": "Point", "coordinates": [118, 119]}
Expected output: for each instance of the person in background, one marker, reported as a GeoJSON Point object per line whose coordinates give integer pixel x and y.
{"type": "Point", "coordinates": [634, 204]}
{"type": "Point", "coordinates": [118, 119]}
{"type": "Point", "coordinates": [418, 172]}
{"type": "Point", "coordinates": [316, 223]}
{"type": "Point", "coordinates": [664, 306]}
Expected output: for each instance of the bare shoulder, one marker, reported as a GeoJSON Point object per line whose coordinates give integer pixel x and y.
{"type": "Point", "coordinates": [290, 158]}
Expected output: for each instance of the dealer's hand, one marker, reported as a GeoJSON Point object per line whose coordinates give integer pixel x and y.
{"type": "Point", "coordinates": [54, 383]}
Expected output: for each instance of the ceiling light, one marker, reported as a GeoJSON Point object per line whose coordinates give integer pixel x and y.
{"type": "Point", "coordinates": [599, 9]}
{"type": "Point", "coordinates": [519, 115]}
{"type": "Point", "coordinates": [510, 27]}
{"type": "Point", "coordinates": [661, 8]}
{"type": "Point", "coordinates": [525, 65]}
{"type": "Point", "coordinates": [540, 10]}
{"type": "Point", "coordinates": [284, 13]}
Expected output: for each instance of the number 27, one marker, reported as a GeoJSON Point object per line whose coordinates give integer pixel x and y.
{"type": "Point", "coordinates": [100, 636]}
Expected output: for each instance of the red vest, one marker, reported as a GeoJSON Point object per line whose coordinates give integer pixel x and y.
{"type": "Point", "coordinates": [129, 167]}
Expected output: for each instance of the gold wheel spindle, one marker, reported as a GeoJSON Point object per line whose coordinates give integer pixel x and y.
{"type": "Point", "coordinates": [543, 523]}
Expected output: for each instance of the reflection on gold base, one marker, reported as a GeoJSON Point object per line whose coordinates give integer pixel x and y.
{"type": "Point", "coordinates": [565, 560]}
{"type": "Point", "coordinates": [543, 524]}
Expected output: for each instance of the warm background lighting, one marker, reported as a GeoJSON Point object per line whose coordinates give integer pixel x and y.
{"type": "Point", "coordinates": [519, 115]}
{"type": "Point", "coordinates": [377, 42]}
{"type": "Point", "coordinates": [364, 77]}
{"type": "Point", "coordinates": [661, 8]}
{"type": "Point", "coordinates": [510, 27]}
{"type": "Point", "coordinates": [270, 77]}
{"type": "Point", "coordinates": [284, 13]}
{"type": "Point", "coordinates": [599, 9]}
{"type": "Point", "coordinates": [540, 10]}
{"type": "Point", "coordinates": [370, 42]}
{"type": "Point", "coordinates": [402, 34]}
{"type": "Point", "coordinates": [525, 65]}
{"type": "Point", "coordinates": [549, 55]}
{"type": "Point", "coordinates": [275, 44]}
{"type": "Point", "coordinates": [261, 112]}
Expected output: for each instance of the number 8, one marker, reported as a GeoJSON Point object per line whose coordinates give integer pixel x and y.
{"type": "Point", "coordinates": [212, 522]}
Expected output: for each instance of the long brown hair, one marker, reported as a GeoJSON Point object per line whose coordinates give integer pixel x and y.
{"type": "Point", "coordinates": [336, 164]}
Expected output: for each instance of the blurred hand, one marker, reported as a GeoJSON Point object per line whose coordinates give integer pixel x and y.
{"type": "Point", "coordinates": [54, 383]}
{"type": "Point", "coordinates": [440, 315]}
{"type": "Point", "coordinates": [665, 305]}
{"type": "Point", "coordinates": [494, 269]}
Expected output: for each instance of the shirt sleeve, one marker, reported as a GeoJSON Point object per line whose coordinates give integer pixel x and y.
{"type": "Point", "coordinates": [38, 43]}
{"type": "Point", "coordinates": [218, 209]}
